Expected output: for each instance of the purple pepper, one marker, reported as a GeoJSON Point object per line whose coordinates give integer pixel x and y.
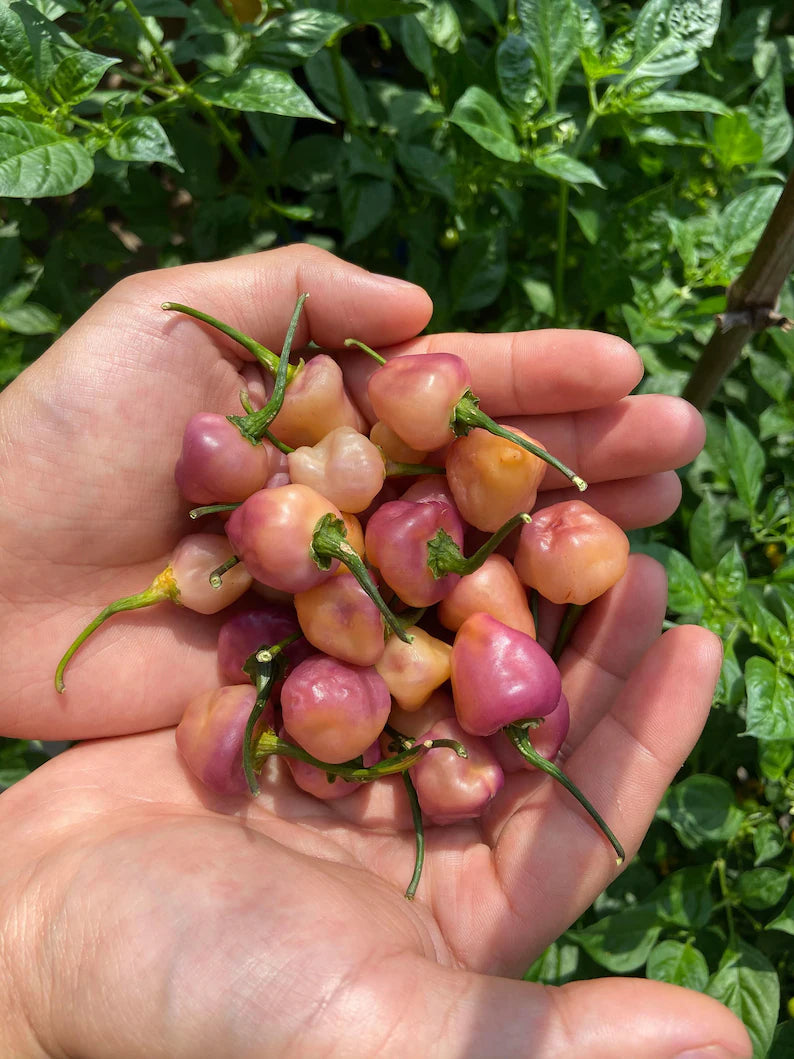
{"type": "Point", "coordinates": [500, 676]}
{"type": "Point", "coordinates": [396, 542]}
{"type": "Point", "coordinates": [249, 630]}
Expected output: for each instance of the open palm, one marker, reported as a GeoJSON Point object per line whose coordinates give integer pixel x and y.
{"type": "Point", "coordinates": [146, 917]}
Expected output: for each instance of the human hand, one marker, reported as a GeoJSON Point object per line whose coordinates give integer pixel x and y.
{"type": "Point", "coordinates": [197, 926]}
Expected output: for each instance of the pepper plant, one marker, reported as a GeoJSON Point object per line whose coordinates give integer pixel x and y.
{"type": "Point", "coordinates": [579, 163]}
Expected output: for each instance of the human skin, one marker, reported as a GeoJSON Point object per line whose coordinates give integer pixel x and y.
{"type": "Point", "coordinates": [142, 916]}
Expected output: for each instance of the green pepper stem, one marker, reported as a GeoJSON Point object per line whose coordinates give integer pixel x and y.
{"type": "Point", "coordinates": [445, 557]}
{"type": "Point", "coordinates": [268, 743]}
{"type": "Point", "coordinates": [419, 830]}
{"type": "Point", "coordinates": [264, 672]}
{"type": "Point", "coordinates": [280, 445]}
{"type": "Point", "coordinates": [216, 577]}
{"type": "Point", "coordinates": [251, 426]}
{"type": "Point", "coordinates": [329, 541]}
{"type": "Point", "coordinates": [163, 587]}
{"type": "Point", "coordinates": [366, 349]}
{"type": "Point", "coordinates": [265, 356]}
{"type": "Point", "coordinates": [395, 469]}
{"type": "Point", "coordinates": [569, 622]}
{"type": "Point", "coordinates": [467, 415]}
{"type": "Point", "coordinates": [520, 740]}
{"type": "Point", "coordinates": [211, 509]}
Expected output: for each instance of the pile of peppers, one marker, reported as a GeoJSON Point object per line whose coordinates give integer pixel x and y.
{"type": "Point", "coordinates": [369, 644]}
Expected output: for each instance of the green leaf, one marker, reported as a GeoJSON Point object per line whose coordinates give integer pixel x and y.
{"type": "Point", "coordinates": [774, 759]}
{"type": "Point", "coordinates": [707, 530]}
{"type": "Point", "coordinates": [770, 117]}
{"type": "Point", "coordinates": [771, 375]}
{"type": "Point", "coordinates": [479, 270]}
{"type": "Point", "coordinates": [8, 777]}
{"type": "Point", "coordinates": [746, 461]}
{"type": "Point", "coordinates": [556, 966]}
{"type": "Point", "coordinates": [570, 170]}
{"type": "Point", "coordinates": [702, 810]}
{"type": "Point", "coordinates": [683, 899]}
{"type": "Point", "coordinates": [441, 24]}
{"type": "Point", "coordinates": [552, 28]}
{"type": "Point", "coordinates": [324, 83]}
{"type": "Point", "coordinates": [293, 37]}
{"type": "Point", "coordinates": [785, 921]}
{"type": "Point", "coordinates": [735, 141]}
{"type": "Point", "coordinates": [517, 75]}
{"type": "Point", "coordinates": [260, 89]}
{"type": "Point", "coordinates": [659, 102]}
{"type": "Point", "coordinates": [589, 221]}
{"type": "Point", "coordinates": [366, 203]}
{"type": "Point", "coordinates": [744, 218]}
{"type": "Point", "coordinates": [622, 942]}
{"type": "Point", "coordinates": [143, 139]}
{"type": "Point", "coordinates": [768, 841]}
{"type": "Point", "coordinates": [668, 35]}
{"type": "Point", "coordinates": [746, 983]}
{"type": "Point", "coordinates": [78, 74]}
{"type": "Point", "coordinates": [770, 700]}
{"type": "Point", "coordinates": [311, 163]}
{"type": "Point", "coordinates": [731, 574]}
{"type": "Point", "coordinates": [686, 593]}
{"type": "Point", "coordinates": [29, 319]}
{"type": "Point", "coordinates": [678, 963]}
{"type": "Point", "coordinates": [417, 47]}
{"type": "Point", "coordinates": [36, 162]}
{"type": "Point", "coordinates": [762, 888]}
{"type": "Point", "coordinates": [428, 171]}
{"type": "Point", "coordinates": [31, 47]}
{"type": "Point", "coordinates": [483, 118]}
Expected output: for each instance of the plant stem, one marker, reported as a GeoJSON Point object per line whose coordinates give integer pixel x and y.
{"type": "Point", "coordinates": [419, 830]}
{"type": "Point", "coordinates": [559, 260]}
{"type": "Point", "coordinates": [751, 301]}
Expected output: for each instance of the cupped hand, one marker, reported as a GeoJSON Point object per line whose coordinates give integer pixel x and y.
{"type": "Point", "coordinates": [89, 511]}
{"type": "Point", "coordinates": [146, 919]}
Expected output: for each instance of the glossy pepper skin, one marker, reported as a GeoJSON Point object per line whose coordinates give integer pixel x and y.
{"type": "Point", "coordinates": [217, 465]}
{"type": "Point", "coordinates": [396, 540]}
{"type": "Point", "coordinates": [500, 676]}
{"type": "Point", "coordinates": [492, 478]}
{"type": "Point", "coordinates": [248, 631]}
{"type": "Point", "coordinates": [451, 789]}
{"type": "Point", "coordinates": [416, 396]}
{"type": "Point", "coordinates": [547, 739]}
{"type": "Point", "coordinates": [413, 671]}
{"type": "Point", "coordinates": [495, 589]}
{"type": "Point", "coordinates": [571, 553]}
{"type": "Point", "coordinates": [344, 466]}
{"type": "Point", "coordinates": [315, 781]}
{"type": "Point", "coordinates": [332, 709]}
{"type": "Point", "coordinates": [272, 533]}
{"type": "Point", "coordinates": [315, 402]}
{"type": "Point", "coordinates": [210, 737]}
{"type": "Point", "coordinates": [340, 619]}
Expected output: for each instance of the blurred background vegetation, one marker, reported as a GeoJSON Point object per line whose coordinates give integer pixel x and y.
{"type": "Point", "coordinates": [531, 163]}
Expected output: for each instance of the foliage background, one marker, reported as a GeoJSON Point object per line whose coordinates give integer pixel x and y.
{"type": "Point", "coordinates": [583, 163]}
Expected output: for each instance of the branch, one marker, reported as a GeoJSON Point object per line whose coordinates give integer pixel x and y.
{"type": "Point", "coordinates": [752, 302]}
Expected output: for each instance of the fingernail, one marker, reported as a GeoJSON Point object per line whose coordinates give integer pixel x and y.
{"type": "Point", "coordinates": [391, 279]}
{"type": "Point", "coordinates": [711, 1051]}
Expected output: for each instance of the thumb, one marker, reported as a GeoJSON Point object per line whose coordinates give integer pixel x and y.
{"type": "Point", "coordinates": [463, 1014]}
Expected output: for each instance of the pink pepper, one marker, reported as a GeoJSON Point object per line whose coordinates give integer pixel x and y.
{"type": "Point", "coordinates": [217, 464]}
{"type": "Point", "coordinates": [500, 676]}
{"type": "Point", "coordinates": [334, 710]}
{"type": "Point", "coordinates": [248, 631]}
{"type": "Point", "coordinates": [314, 780]}
{"type": "Point", "coordinates": [185, 581]}
{"type": "Point", "coordinates": [340, 619]}
{"type": "Point", "coordinates": [547, 739]}
{"type": "Point", "coordinates": [344, 466]}
{"type": "Point", "coordinates": [396, 541]}
{"type": "Point", "coordinates": [427, 400]}
{"type": "Point", "coordinates": [452, 789]}
{"type": "Point", "coordinates": [210, 737]}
